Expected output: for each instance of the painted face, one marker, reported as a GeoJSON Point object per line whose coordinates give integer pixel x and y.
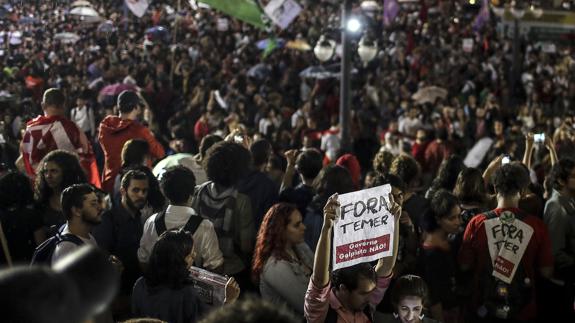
{"type": "Point", "coordinates": [295, 229]}
{"type": "Point", "coordinates": [451, 222]}
{"type": "Point", "coordinates": [91, 209]}
{"type": "Point", "coordinates": [53, 175]}
{"type": "Point", "coordinates": [409, 309]}
{"type": "Point", "coordinates": [137, 194]}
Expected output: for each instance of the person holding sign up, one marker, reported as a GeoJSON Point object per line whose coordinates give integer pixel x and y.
{"type": "Point", "coordinates": [345, 296]}
{"type": "Point", "coordinates": [505, 249]}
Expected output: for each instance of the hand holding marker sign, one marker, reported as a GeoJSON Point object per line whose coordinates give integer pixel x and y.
{"type": "Point", "coordinates": [364, 226]}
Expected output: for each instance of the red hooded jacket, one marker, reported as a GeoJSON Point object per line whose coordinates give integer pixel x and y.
{"type": "Point", "coordinates": [113, 134]}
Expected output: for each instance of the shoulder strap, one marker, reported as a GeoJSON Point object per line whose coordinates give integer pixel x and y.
{"type": "Point", "coordinates": [193, 223]}
{"type": "Point", "coordinates": [490, 214]}
{"type": "Point", "coordinates": [160, 223]}
{"type": "Point", "coordinates": [69, 238]}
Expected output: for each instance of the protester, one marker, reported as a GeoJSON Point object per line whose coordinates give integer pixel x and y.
{"type": "Point", "coordinates": [165, 292]}
{"type": "Point", "coordinates": [58, 170]}
{"type": "Point", "coordinates": [116, 130]}
{"type": "Point", "coordinates": [307, 164]}
{"type": "Point", "coordinates": [409, 296]}
{"type": "Point", "coordinates": [282, 260]}
{"type": "Point", "coordinates": [355, 287]}
{"type": "Point", "coordinates": [509, 181]}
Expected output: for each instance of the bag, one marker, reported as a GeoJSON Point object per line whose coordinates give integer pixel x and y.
{"type": "Point", "coordinates": [502, 300]}
{"type": "Point", "coordinates": [43, 253]}
{"type": "Point", "coordinates": [191, 226]}
{"type": "Point", "coordinates": [221, 217]}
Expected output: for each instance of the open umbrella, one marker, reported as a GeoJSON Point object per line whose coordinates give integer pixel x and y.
{"type": "Point", "coordinates": [107, 27]}
{"type": "Point", "coordinates": [265, 43]}
{"type": "Point", "coordinates": [158, 33]}
{"type": "Point", "coordinates": [81, 3]}
{"type": "Point", "coordinates": [298, 44]}
{"type": "Point", "coordinates": [186, 160]}
{"type": "Point", "coordinates": [86, 14]}
{"type": "Point", "coordinates": [429, 94]}
{"type": "Point", "coordinates": [115, 89]}
{"type": "Point", "coordinates": [321, 72]}
{"type": "Point", "coordinates": [259, 71]}
{"type": "Point", "coordinates": [27, 20]}
{"type": "Point", "coordinates": [67, 38]}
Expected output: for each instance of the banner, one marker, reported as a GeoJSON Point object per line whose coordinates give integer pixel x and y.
{"type": "Point", "coordinates": [245, 10]}
{"type": "Point", "coordinates": [211, 288]}
{"type": "Point", "coordinates": [507, 239]}
{"type": "Point", "coordinates": [390, 11]}
{"type": "Point", "coordinates": [482, 17]}
{"type": "Point", "coordinates": [364, 227]}
{"type": "Point", "coordinates": [282, 12]}
{"type": "Point", "coordinates": [138, 7]}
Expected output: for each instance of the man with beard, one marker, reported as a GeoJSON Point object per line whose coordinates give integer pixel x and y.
{"type": "Point", "coordinates": [83, 210]}
{"type": "Point", "coordinates": [121, 227]}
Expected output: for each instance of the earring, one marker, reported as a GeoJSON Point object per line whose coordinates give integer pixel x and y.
{"type": "Point", "coordinates": [421, 316]}
{"type": "Point", "coordinates": [395, 315]}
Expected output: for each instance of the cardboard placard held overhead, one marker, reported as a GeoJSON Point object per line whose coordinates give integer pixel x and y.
{"type": "Point", "coordinates": [364, 227]}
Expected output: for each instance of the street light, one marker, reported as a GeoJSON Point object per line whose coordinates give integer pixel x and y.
{"type": "Point", "coordinates": [367, 50]}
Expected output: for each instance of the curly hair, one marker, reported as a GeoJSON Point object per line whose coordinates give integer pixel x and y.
{"type": "Point", "coordinates": [72, 173]}
{"type": "Point", "coordinates": [510, 179]}
{"type": "Point", "coordinates": [167, 265]}
{"type": "Point", "coordinates": [382, 161]}
{"type": "Point", "coordinates": [271, 238]}
{"type": "Point", "coordinates": [407, 168]}
{"type": "Point", "coordinates": [470, 187]}
{"type": "Point", "coordinates": [442, 203]}
{"type": "Point", "coordinates": [447, 173]}
{"type": "Point", "coordinates": [226, 163]}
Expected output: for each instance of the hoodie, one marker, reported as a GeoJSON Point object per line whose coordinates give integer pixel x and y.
{"type": "Point", "coordinates": [113, 134]}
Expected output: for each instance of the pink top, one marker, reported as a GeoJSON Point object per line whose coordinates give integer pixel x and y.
{"type": "Point", "coordinates": [318, 301]}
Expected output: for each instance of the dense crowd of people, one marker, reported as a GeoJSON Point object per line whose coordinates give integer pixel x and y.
{"type": "Point", "coordinates": [175, 140]}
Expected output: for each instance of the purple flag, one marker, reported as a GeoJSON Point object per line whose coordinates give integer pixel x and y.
{"type": "Point", "coordinates": [482, 17]}
{"type": "Point", "coordinates": [390, 11]}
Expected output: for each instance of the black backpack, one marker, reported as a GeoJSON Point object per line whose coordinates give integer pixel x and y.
{"type": "Point", "coordinates": [191, 226]}
{"type": "Point", "coordinates": [43, 253]}
{"type": "Point", "coordinates": [500, 299]}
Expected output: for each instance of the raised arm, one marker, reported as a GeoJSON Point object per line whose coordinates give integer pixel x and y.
{"type": "Point", "coordinates": [287, 180]}
{"type": "Point", "coordinates": [550, 145]}
{"type": "Point", "coordinates": [527, 156]}
{"type": "Point", "coordinates": [320, 275]}
{"type": "Point", "coordinates": [385, 265]}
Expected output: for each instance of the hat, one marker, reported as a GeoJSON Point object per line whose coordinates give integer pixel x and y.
{"type": "Point", "coordinates": [350, 162]}
{"type": "Point", "coordinates": [127, 100]}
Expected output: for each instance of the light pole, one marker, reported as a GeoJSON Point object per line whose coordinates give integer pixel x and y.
{"type": "Point", "coordinates": [345, 81]}
{"type": "Point", "coordinates": [324, 51]}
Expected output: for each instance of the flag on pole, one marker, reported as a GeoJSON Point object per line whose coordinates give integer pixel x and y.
{"type": "Point", "coordinates": [390, 11]}
{"type": "Point", "coordinates": [482, 17]}
{"type": "Point", "coordinates": [138, 7]}
{"type": "Point", "coordinates": [246, 10]}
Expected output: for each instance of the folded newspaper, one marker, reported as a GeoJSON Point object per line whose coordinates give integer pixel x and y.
{"type": "Point", "coordinates": [210, 287]}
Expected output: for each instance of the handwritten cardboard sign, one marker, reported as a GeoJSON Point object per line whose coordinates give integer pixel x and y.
{"type": "Point", "coordinates": [507, 239]}
{"type": "Point", "coordinates": [211, 287]}
{"type": "Point", "coordinates": [282, 12]}
{"type": "Point", "coordinates": [363, 230]}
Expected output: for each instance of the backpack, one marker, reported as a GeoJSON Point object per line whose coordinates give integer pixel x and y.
{"type": "Point", "coordinates": [43, 253]}
{"type": "Point", "coordinates": [191, 226]}
{"type": "Point", "coordinates": [502, 300]}
{"type": "Point", "coordinates": [222, 218]}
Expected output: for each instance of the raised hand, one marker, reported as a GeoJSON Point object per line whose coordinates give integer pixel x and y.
{"type": "Point", "coordinates": [330, 211]}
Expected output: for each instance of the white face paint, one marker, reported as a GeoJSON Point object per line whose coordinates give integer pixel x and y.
{"type": "Point", "coordinates": [409, 309]}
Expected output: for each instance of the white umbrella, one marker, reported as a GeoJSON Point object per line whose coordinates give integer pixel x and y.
{"type": "Point", "coordinates": [81, 3]}
{"type": "Point", "coordinates": [429, 94]}
{"type": "Point", "coordinates": [67, 38]}
{"type": "Point", "coordinates": [86, 14]}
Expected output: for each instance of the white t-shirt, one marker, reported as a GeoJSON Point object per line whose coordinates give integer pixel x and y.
{"type": "Point", "coordinates": [208, 253]}
{"type": "Point", "coordinates": [65, 247]}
